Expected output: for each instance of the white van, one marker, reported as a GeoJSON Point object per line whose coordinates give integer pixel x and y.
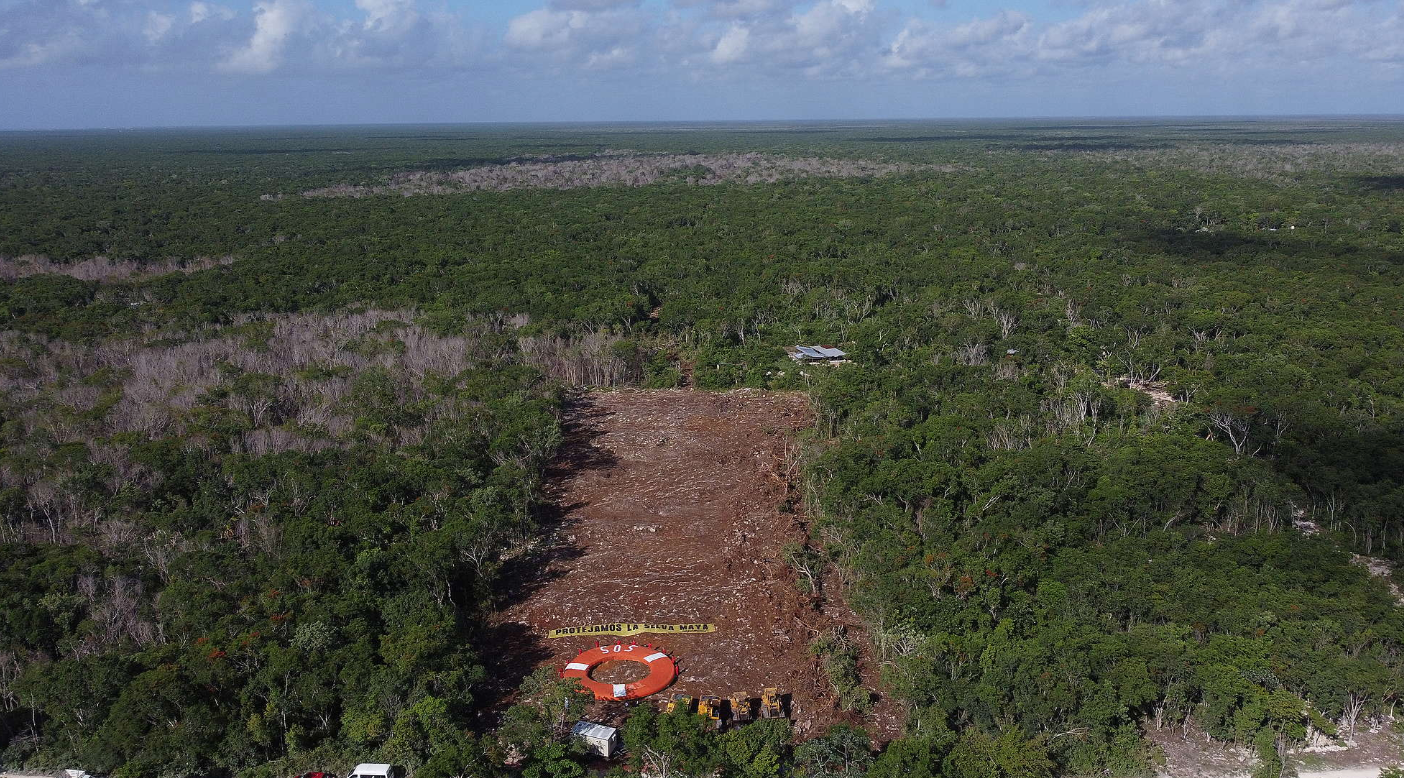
{"type": "Point", "coordinates": [377, 771]}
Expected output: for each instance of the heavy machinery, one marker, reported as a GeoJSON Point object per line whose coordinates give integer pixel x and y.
{"type": "Point", "coordinates": [740, 707]}
{"type": "Point", "coordinates": [770, 704]}
{"type": "Point", "coordinates": [680, 702]}
{"type": "Point", "coordinates": [709, 706]}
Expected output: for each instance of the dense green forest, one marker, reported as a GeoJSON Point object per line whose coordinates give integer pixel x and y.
{"type": "Point", "coordinates": [1121, 430]}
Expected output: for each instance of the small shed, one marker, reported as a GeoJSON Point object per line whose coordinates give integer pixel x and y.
{"type": "Point", "coordinates": [818, 354]}
{"type": "Point", "coordinates": [598, 738]}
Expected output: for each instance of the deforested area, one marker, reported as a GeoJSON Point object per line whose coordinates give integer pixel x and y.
{"type": "Point", "coordinates": [620, 169]}
{"type": "Point", "coordinates": [1281, 162]}
{"type": "Point", "coordinates": [677, 507]}
{"type": "Point", "coordinates": [956, 449]}
{"type": "Point", "coordinates": [102, 268]}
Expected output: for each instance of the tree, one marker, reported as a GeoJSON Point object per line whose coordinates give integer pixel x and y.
{"type": "Point", "coordinates": [844, 751]}
{"type": "Point", "coordinates": [1006, 755]}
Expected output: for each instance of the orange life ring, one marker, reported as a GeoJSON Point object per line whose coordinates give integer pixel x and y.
{"type": "Point", "coordinates": [662, 670]}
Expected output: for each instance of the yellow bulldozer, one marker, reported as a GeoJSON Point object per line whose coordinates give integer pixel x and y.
{"type": "Point", "coordinates": [680, 702]}
{"type": "Point", "coordinates": [771, 707]}
{"type": "Point", "coordinates": [740, 707]}
{"type": "Point", "coordinates": [709, 706]}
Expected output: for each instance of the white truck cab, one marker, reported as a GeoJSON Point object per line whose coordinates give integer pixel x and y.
{"type": "Point", "coordinates": [377, 771]}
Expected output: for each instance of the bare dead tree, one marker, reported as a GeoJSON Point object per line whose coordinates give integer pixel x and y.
{"type": "Point", "coordinates": [1236, 427]}
{"type": "Point", "coordinates": [1007, 322]}
{"type": "Point", "coordinates": [102, 269]}
{"type": "Point", "coordinates": [972, 354]}
{"type": "Point", "coordinates": [1072, 313]}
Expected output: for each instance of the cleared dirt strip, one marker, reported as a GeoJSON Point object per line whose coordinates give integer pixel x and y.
{"type": "Point", "coordinates": [674, 508]}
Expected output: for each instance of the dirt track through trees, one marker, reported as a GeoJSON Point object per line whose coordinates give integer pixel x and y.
{"type": "Point", "coordinates": [674, 510]}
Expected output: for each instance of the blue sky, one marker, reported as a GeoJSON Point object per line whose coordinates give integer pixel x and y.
{"type": "Point", "coordinates": [121, 63]}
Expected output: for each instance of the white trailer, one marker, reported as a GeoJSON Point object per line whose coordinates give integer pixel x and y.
{"type": "Point", "coordinates": [598, 738]}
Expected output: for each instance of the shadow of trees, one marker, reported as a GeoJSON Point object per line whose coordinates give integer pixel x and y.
{"type": "Point", "coordinates": [1276, 246]}
{"type": "Point", "coordinates": [1382, 183]}
{"type": "Point", "coordinates": [512, 650]}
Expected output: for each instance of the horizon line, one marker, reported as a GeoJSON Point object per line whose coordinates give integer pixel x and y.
{"type": "Point", "coordinates": [615, 122]}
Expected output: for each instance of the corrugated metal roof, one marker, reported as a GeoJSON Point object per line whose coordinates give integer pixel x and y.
{"type": "Point", "coordinates": [589, 729]}
{"type": "Point", "coordinates": [809, 352]}
{"type": "Point", "coordinates": [830, 352]}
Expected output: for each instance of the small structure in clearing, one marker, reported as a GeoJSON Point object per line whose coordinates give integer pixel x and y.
{"type": "Point", "coordinates": [598, 738]}
{"type": "Point", "coordinates": [815, 354]}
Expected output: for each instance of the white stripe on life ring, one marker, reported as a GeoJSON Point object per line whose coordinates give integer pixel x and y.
{"type": "Point", "coordinates": [652, 657]}
{"type": "Point", "coordinates": [619, 690]}
{"type": "Point", "coordinates": [577, 666]}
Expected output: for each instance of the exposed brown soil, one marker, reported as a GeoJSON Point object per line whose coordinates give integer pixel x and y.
{"type": "Point", "coordinates": [1372, 746]}
{"type": "Point", "coordinates": [675, 505]}
{"type": "Point", "coordinates": [1155, 390]}
{"type": "Point", "coordinates": [1190, 754]}
{"type": "Point", "coordinates": [1383, 570]}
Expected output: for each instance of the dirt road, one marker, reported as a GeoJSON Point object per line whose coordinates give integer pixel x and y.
{"type": "Point", "coordinates": [674, 509]}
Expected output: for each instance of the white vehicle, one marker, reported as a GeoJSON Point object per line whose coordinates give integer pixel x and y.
{"type": "Point", "coordinates": [377, 771]}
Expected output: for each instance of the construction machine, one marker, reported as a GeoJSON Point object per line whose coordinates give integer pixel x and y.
{"type": "Point", "coordinates": [740, 707]}
{"type": "Point", "coordinates": [770, 704]}
{"type": "Point", "coordinates": [709, 706]}
{"type": "Point", "coordinates": [680, 702]}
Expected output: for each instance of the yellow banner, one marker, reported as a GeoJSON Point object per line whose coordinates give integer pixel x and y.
{"type": "Point", "coordinates": [626, 629]}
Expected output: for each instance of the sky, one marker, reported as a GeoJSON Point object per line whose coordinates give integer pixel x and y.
{"type": "Point", "coordinates": [151, 63]}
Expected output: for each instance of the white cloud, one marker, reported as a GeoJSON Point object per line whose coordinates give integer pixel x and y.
{"type": "Point", "coordinates": [818, 38]}
{"type": "Point", "coordinates": [1207, 36]}
{"type": "Point", "coordinates": [996, 45]}
{"type": "Point", "coordinates": [821, 23]}
{"type": "Point", "coordinates": [696, 40]}
{"type": "Point", "coordinates": [1155, 30]}
{"type": "Point", "coordinates": [613, 59]}
{"type": "Point", "coordinates": [389, 16]}
{"type": "Point", "coordinates": [35, 54]}
{"type": "Point", "coordinates": [739, 9]}
{"type": "Point", "coordinates": [592, 5]}
{"type": "Point", "coordinates": [731, 47]}
{"type": "Point", "coordinates": [157, 25]}
{"type": "Point", "coordinates": [200, 11]}
{"type": "Point", "coordinates": [609, 38]}
{"type": "Point", "coordinates": [855, 6]}
{"type": "Point", "coordinates": [543, 28]}
{"type": "Point", "coordinates": [274, 22]}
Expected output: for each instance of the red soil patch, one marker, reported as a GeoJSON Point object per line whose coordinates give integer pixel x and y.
{"type": "Point", "coordinates": [673, 510]}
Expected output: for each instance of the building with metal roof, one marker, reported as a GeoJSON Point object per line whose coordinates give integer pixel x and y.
{"type": "Point", "coordinates": [817, 354]}
{"type": "Point", "coordinates": [598, 738]}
